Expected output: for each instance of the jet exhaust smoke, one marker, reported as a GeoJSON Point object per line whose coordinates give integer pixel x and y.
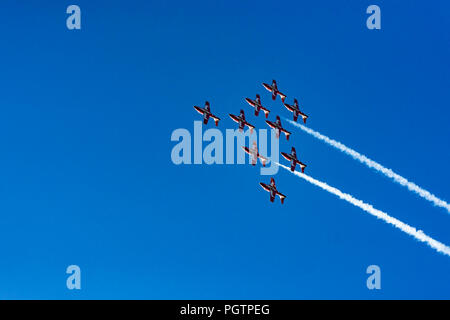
{"type": "Point", "coordinates": [419, 235]}
{"type": "Point", "coordinates": [375, 165]}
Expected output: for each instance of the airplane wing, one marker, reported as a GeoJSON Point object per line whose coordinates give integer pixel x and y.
{"type": "Point", "coordinates": [264, 186]}
{"type": "Point", "coordinates": [199, 110]}
{"type": "Point", "coordinates": [256, 111]}
{"type": "Point", "coordinates": [271, 124]}
{"type": "Point", "coordinates": [282, 197]}
{"type": "Point", "coordinates": [286, 156]}
{"type": "Point", "coordinates": [295, 116]}
{"type": "Point", "coordinates": [266, 111]}
{"type": "Point", "coordinates": [216, 119]}
{"type": "Point", "coordinates": [250, 126]}
{"type": "Point", "coordinates": [302, 166]}
{"type": "Point", "coordinates": [250, 102]}
{"type": "Point", "coordinates": [304, 116]}
{"type": "Point", "coordinates": [267, 86]}
{"type": "Point", "coordinates": [287, 133]}
{"type": "Point", "coordinates": [263, 160]}
{"type": "Point", "coordinates": [251, 153]}
{"type": "Point", "coordinates": [234, 118]}
{"type": "Point", "coordinates": [289, 107]}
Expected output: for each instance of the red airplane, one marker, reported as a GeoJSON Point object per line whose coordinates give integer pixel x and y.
{"type": "Point", "coordinates": [242, 122]}
{"type": "Point", "coordinates": [253, 152]}
{"type": "Point", "coordinates": [257, 105]}
{"type": "Point", "coordinates": [274, 89]}
{"type": "Point", "coordinates": [206, 112]}
{"type": "Point", "coordinates": [295, 109]}
{"type": "Point", "coordinates": [273, 190]}
{"type": "Point", "coordinates": [278, 128]}
{"type": "Point", "coordinates": [293, 159]}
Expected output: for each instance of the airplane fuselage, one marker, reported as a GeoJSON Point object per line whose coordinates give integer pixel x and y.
{"type": "Point", "coordinates": [296, 111]}
{"type": "Point", "coordinates": [206, 115]}
{"type": "Point", "coordinates": [294, 161]}
{"type": "Point", "coordinates": [201, 110]}
{"type": "Point", "coordinates": [258, 106]}
{"type": "Point", "coordinates": [274, 90]}
{"type": "Point", "coordinates": [273, 192]}
{"type": "Point", "coordinates": [278, 128]}
{"type": "Point", "coordinates": [253, 103]}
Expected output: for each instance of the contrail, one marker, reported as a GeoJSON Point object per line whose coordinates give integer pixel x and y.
{"type": "Point", "coordinates": [375, 165]}
{"type": "Point", "coordinates": [418, 234]}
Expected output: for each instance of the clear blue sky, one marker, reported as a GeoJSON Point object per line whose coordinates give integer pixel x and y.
{"type": "Point", "coordinates": [87, 179]}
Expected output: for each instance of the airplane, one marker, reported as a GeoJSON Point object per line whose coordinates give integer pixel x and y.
{"type": "Point", "coordinates": [242, 122]}
{"type": "Point", "coordinates": [278, 128]}
{"type": "Point", "coordinates": [274, 89]}
{"type": "Point", "coordinates": [206, 112]}
{"type": "Point", "coordinates": [295, 109]}
{"type": "Point", "coordinates": [273, 190]}
{"type": "Point", "coordinates": [293, 159]}
{"type": "Point", "coordinates": [257, 105]}
{"type": "Point", "coordinates": [253, 152]}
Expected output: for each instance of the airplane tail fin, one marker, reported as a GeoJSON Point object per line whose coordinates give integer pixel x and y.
{"type": "Point", "coordinates": [282, 199]}
{"type": "Point", "coordinates": [287, 136]}
{"type": "Point", "coordinates": [217, 122]}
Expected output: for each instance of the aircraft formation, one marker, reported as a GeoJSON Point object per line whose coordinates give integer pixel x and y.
{"type": "Point", "coordinates": [276, 125]}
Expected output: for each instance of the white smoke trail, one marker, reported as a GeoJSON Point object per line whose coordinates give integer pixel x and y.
{"type": "Point", "coordinates": [419, 235]}
{"type": "Point", "coordinates": [375, 165]}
